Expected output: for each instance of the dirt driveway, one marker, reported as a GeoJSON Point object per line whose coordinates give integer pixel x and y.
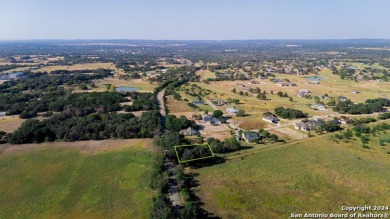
{"type": "Point", "coordinates": [207, 130]}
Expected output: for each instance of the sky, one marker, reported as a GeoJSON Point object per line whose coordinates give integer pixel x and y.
{"type": "Point", "coordinates": [194, 19]}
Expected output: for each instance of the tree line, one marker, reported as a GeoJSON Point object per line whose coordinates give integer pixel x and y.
{"type": "Point", "coordinates": [96, 126]}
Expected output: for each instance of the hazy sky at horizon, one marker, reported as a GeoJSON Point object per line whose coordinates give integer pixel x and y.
{"type": "Point", "coordinates": [194, 19]}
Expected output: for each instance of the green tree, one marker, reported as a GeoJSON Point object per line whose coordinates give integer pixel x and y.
{"type": "Point", "coordinates": [217, 114]}
{"type": "Point", "coordinates": [240, 113]}
{"type": "Point", "coordinates": [236, 101]}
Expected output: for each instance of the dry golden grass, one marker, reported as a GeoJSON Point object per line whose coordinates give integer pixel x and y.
{"type": "Point", "coordinates": [205, 74]}
{"type": "Point", "coordinates": [167, 65]}
{"type": "Point", "coordinates": [10, 123]}
{"type": "Point", "coordinates": [207, 130]}
{"type": "Point", "coordinates": [144, 86]}
{"type": "Point", "coordinates": [250, 122]}
{"type": "Point", "coordinates": [87, 66]}
{"type": "Point", "coordinates": [176, 106]}
{"type": "Point", "coordinates": [331, 85]}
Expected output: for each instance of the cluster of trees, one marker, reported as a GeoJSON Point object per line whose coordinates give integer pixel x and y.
{"type": "Point", "coordinates": [226, 146]}
{"type": "Point", "coordinates": [173, 123]}
{"type": "Point", "coordinates": [370, 106]}
{"type": "Point", "coordinates": [28, 105]}
{"type": "Point", "coordinates": [265, 135]}
{"type": "Point", "coordinates": [95, 126]}
{"type": "Point", "coordinates": [256, 90]}
{"type": "Point", "coordinates": [384, 116]}
{"type": "Point", "coordinates": [328, 127]}
{"type": "Point", "coordinates": [241, 113]}
{"type": "Point", "coordinates": [281, 94]}
{"type": "Point", "coordinates": [9, 67]}
{"type": "Point", "coordinates": [181, 75]}
{"type": "Point", "coordinates": [345, 135]}
{"type": "Point", "coordinates": [261, 96]}
{"type": "Point", "coordinates": [230, 100]}
{"type": "Point", "coordinates": [193, 152]}
{"type": "Point", "coordinates": [289, 113]}
{"type": "Point", "coordinates": [3, 137]}
{"type": "Point", "coordinates": [357, 121]}
{"type": "Point", "coordinates": [141, 101]}
{"type": "Point", "coordinates": [362, 131]}
{"type": "Point", "coordinates": [44, 81]}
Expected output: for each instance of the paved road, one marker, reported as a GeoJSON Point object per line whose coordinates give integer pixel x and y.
{"type": "Point", "coordinates": [160, 100]}
{"type": "Point", "coordinates": [173, 189]}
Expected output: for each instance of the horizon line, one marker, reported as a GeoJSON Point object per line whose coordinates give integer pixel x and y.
{"type": "Point", "coordinates": [255, 39]}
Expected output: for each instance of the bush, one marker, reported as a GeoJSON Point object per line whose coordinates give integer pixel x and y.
{"type": "Point", "coordinates": [217, 114]}
{"type": "Point", "coordinates": [384, 116]}
{"type": "Point", "coordinates": [241, 113]}
{"type": "Point", "coordinates": [288, 113]}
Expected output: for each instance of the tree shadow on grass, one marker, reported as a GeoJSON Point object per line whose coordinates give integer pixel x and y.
{"type": "Point", "coordinates": [193, 183]}
{"type": "Point", "coordinates": [208, 162]}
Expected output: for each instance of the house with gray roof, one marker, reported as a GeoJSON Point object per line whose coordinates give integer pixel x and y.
{"type": "Point", "coordinates": [251, 136]}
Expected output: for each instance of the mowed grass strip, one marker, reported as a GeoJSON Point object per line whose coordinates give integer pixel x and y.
{"type": "Point", "coordinates": [315, 175]}
{"type": "Point", "coordinates": [63, 183]}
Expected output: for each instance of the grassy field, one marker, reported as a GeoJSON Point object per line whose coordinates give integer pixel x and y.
{"type": "Point", "coordinates": [87, 66]}
{"type": "Point", "coordinates": [314, 175]}
{"type": "Point", "coordinates": [145, 86]}
{"type": "Point", "coordinates": [204, 74]}
{"type": "Point", "coordinates": [10, 123]}
{"type": "Point", "coordinates": [68, 181]}
{"type": "Point", "coordinates": [331, 85]}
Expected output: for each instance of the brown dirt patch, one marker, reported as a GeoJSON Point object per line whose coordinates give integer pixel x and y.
{"type": "Point", "coordinates": [294, 134]}
{"type": "Point", "coordinates": [207, 130]}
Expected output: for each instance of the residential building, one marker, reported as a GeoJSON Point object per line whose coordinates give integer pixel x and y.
{"type": "Point", "coordinates": [318, 106]}
{"type": "Point", "coordinates": [197, 103]}
{"type": "Point", "coordinates": [231, 110]}
{"type": "Point", "coordinates": [206, 118]}
{"type": "Point", "coordinates": [251, 136]}
{"type": "Point", "coordinates": [188, 132]}
{"type": "Point", "coordinates": [271, 119]}
{"type": "Point", "coordinates": [215, 121]}
{"type": "Point", "coordinates": [345, 120]}
{"type": "Point", "coordinates": [309, 125]}
{"type": "Point", "coordinates": [342, 98]}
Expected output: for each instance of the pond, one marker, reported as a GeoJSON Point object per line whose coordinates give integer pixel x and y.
{"type": "Point", "coordinates": [12, 76]}
{"type": "Point", "coordinates": [314, 78]}
{"type": "Point", "coordinates": [126, 89]}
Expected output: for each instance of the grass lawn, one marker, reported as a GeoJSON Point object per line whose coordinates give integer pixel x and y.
{"type": "Point", "coordinates": [62, 182]}
{"type": "Point", "coordinates": [313, 175]}
{"type": "Point", "coordinates": [87, 66]}
{"type": "Point", "coordinates": [144, 86]}
{"type": "Point", "coordinates": [206, 74]}
{"type": "Point", "coordinates": [331, 85]}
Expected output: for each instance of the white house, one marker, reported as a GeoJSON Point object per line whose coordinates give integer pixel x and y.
{"type": "Point", "coordinates": [231, 110]}
{"type": "Point", "coordinates": [318, 106]}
